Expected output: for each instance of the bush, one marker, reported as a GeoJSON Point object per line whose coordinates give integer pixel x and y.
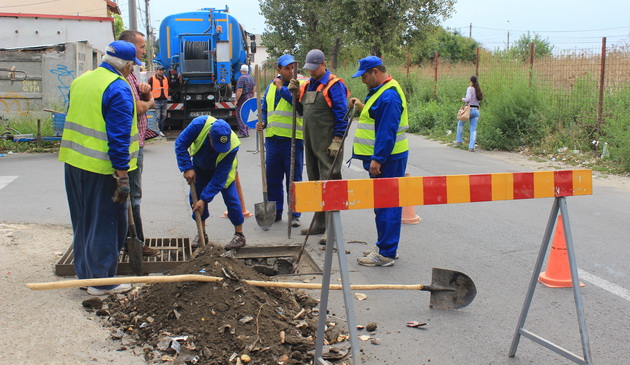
{"type": "Point", "coordinates": [616, 129]}
{"type": "Point", "coordinates": [514, 119]}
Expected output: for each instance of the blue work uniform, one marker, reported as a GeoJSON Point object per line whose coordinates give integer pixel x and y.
{"type": "Point", "coordinates": [386, 112]}
{"type": "Point", "coordinates": [278, 159]}
{"type": "Point", "coordinates": [211, 176]}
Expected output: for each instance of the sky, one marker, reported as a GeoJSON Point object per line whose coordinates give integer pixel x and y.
{"type": "Point", "coordinates": [567, 25]}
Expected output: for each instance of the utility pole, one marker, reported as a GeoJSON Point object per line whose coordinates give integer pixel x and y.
{"type": "Point", "coordinates": [133, 16]}
{"type": "Point", "coordinates": [149, 65]}
{"type": "Point", "coordinates": [470, 31]}
{"type": "Point", "coordinates": [508, 36]}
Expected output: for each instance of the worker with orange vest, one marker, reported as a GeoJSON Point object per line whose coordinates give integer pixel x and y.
{"type": "Point", "coordinates": [324, 100]}
{"type": "Point", "coordinates": [159, 90]}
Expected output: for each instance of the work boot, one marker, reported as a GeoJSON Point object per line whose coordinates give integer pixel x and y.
{"type": "Point", "coordinates": [295, 222]}
{"type": "Point", "coordinates": [319, 224]}
{"type": "Point", "coordinates": [323, 238]}
{"type": "Point", "coordinates": [148, 251]}
{"type": "Point", "coordinates": [236, 243]}
{"type": "Point", "coordinates": [375, 259]}
{"type": "Point", "coordinates": [196, 243]}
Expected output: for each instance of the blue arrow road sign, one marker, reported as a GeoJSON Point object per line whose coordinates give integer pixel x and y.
{"type": "Point", "coordinates": [249, 112]}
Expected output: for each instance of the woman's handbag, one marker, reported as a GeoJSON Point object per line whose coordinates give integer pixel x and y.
{"type": "Point", "coordinates": [464, 113]}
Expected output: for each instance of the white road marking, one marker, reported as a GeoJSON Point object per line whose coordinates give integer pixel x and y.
{"type": "Point", "coordinates": [6, 180]}
{"type": "Point", "coordinates": [615, 289]}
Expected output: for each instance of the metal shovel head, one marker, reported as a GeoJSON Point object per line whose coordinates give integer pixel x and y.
{"type": "Point", "coordinates": [451, 289]}
{"type": "Point", "coordinates": [134, 251]}
{"type": "Point", "coordinates": [265, 213]}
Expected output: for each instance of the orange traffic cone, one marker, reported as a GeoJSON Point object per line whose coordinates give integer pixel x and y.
{"type": "Point", "coordinates": [558, 273]}
{"type": "Point", "coordinates": [246, 213]}
{"type": "Point", "coordinates": [409, 215]}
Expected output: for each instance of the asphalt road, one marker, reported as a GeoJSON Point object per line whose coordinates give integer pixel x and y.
{"type": "Point", "coordinates": [495, 243]}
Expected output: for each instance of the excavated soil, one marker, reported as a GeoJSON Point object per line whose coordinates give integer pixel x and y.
{"type": "Point", "coordinates": [227, 322]}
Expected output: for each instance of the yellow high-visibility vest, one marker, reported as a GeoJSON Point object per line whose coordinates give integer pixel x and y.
{"type": "Point", "coordinates": [365, 136]}
{"type": "Point", "coordinates": [84, 143]}
{"type": "Point", "coordinates": [234, 142]}
{"type": "Point", "coordinates": [280, 117]}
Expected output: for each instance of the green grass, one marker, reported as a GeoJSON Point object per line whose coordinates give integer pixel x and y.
{"type": "Point", "coordinates": [26, 125]}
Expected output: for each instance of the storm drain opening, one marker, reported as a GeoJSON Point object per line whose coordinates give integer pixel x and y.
{"type": "Point", "coordinates": [278, 260]}
{"type": "Point", "coordinates": [268, 260]}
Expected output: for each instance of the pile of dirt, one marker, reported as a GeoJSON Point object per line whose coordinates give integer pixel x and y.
{"type": "Point", "coordinates": [227, 322]}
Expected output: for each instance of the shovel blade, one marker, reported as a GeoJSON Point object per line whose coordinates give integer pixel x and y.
{"type": "Point", "coordinates": [265, 213]}
{"type": "Point", "coordinates": [451, 289]}
{"type": "Point", "coordinates": [134, 251]}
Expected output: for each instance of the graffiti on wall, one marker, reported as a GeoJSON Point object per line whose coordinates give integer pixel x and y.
{"type": "Point", "coordinates": [65, 77]}
{"type": "Point", "coordinates": [14, 103]}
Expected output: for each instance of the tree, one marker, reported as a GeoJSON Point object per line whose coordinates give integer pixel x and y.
{"type": "Point", "coordinates": [336, 25]}
{"type": "Point", "coordinates": [298, 26]}
{"type": "Point", "coordinates": [119, 25]}
{"type": "Point", "coordinates": [386, 25]}
{"type": "Point", "coordinates": [450, 44]}
{"type": "Point", "coordinates": [521, 48]}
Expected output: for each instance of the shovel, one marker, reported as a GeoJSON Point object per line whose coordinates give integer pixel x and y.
{"type": "Point", "coordinates": [265, 212]}
{"type": "Point", "coordinates": [134, 246]}
{"type": "Point", "coordinates": [449, 289]}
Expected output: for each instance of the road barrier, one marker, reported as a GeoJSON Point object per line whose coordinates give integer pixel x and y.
{"type": "Point", "coordinates": [336, 195]}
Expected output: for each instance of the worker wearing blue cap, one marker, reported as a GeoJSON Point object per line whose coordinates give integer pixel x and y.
{"type": "Point", "coordinates": [380, 142]}
{"type": "Point", "coordinates": [99, 147]}
{"type": "Point", "coordinates": [277, 120]}
{"type": "Point", "coordinates": [206, 154]}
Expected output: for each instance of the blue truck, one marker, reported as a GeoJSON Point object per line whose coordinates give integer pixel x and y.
{"type": "Point", "coordinates": [203, 52]}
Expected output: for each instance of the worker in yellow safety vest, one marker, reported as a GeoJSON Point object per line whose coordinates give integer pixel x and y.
{"type": "Point", "coordinates": [277, 121]}
{"type": "Point", "coordinates": [380, 142]}
{"type": "Point", "coordinates": [206, 155]}
{"type": "Point", "coordinates": [99, 147]}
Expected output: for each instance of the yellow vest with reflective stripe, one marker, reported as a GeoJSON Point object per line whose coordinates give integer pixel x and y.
{"type": "Point", "coordinates": [84, 143]}
{"type": "Point", "coordinates": [234, 142]}
{"type": "Point", "coordinates": [280, 117]}
{"type": "Point", "coordinates": [365, 136]}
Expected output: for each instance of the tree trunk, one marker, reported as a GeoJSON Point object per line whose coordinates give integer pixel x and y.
{"type": "Point", "coordinates": [334, 54]}
{"type": "Point", "coordinates": [376, 49]}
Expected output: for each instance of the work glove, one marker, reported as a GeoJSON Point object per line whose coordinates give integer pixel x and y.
{"type": "Point", "coordinates": [294, 86]}
{"type": "Point", "coordinates": [334, 148]}
{"type": "Point", "coordinates": [122, 189]}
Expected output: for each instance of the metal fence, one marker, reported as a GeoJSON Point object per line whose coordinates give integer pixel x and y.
{"type": "Point", "coordinates": [587, 78]}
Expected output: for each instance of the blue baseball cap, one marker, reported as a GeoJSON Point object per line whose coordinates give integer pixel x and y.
{"type": "Point", "coordinates": [367, 63]}
{"type": "Point", "coordinates": [221, 134]}
{"type": "Point", "coordinates": [123, 50]}
{"type": "Point", "coordinates": [285, 60]}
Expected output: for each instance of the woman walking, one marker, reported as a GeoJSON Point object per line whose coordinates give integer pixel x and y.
{"type": "Point", "coordinates": [473, 97]}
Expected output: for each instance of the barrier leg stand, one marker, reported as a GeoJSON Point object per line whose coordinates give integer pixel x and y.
{"type": "Point", "coordinates": [559, 204]}
{"type": "Point", "coordinates": [577, 293]}
{"type": "Point", "coordinates": [335, 235]}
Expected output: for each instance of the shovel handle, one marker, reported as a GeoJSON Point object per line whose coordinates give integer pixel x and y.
{"type": "Point", "coordinates": [261, 137]}
{"type": "Point", "coordinates": [208, 279]}
{"type": "Point", "coordinates": [193, 192]}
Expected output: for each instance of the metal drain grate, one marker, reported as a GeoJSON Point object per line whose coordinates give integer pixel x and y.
{"type": "Point", "coordinates": [173, 252]}
{"type": "Point", "coordinates": [271, 260]}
